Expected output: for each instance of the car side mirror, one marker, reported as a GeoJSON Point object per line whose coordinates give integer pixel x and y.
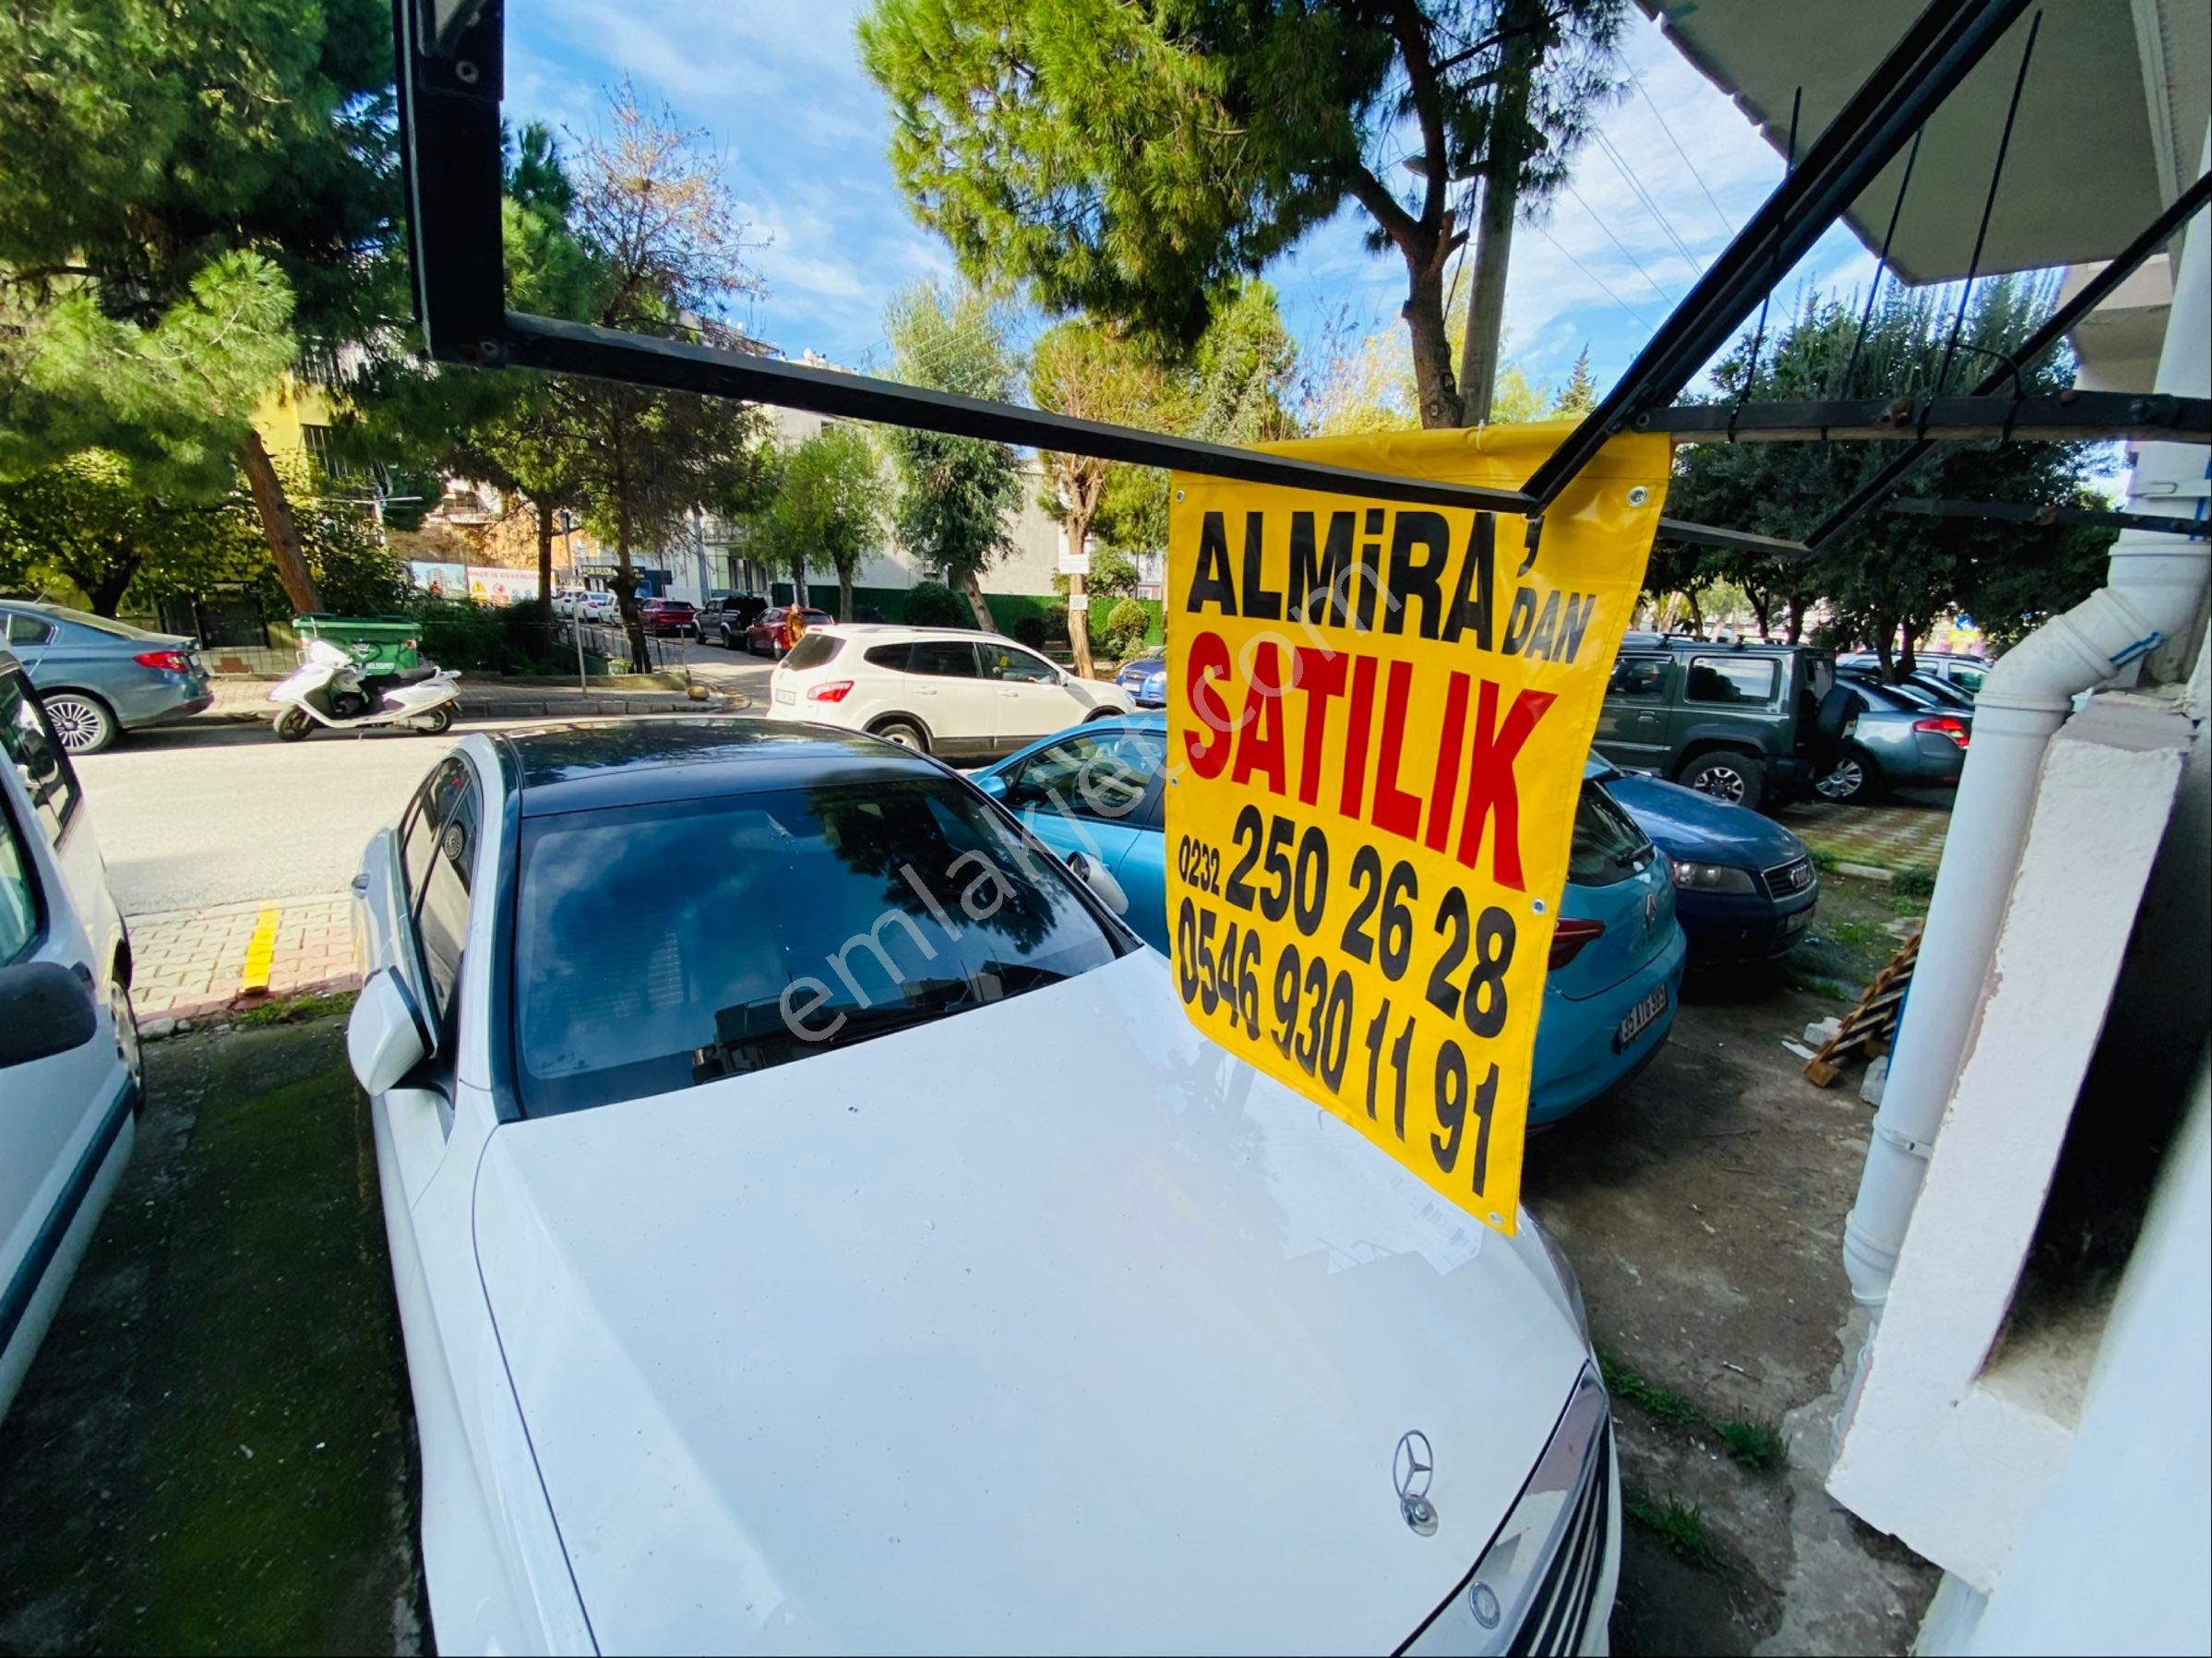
{"type": "Point", "coordinates": [44, 1009]}
{"type": "Point", "coordinates": [993, 785]}
{"type": "Point", "coordinates": [387, 1036]}
{"type": "Point", "coordinates": [1100, 879]}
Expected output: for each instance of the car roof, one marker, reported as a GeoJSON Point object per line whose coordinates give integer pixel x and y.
{"type": "Point", "coordinates": [592, 765]}
{"type": "Point", "coordinates": [908, 630]}
{"type": "Point", "coordinates": [1676, 641]}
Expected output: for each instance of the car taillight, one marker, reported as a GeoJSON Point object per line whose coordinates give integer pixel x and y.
{"type": "Point", "coordinates": [1958, 730]}
{"type": "Point", "coordinates": [833, 692]}
{"type": "Point", "coordinates": [1569, 937]}
{"type": "Point", "coordinates": [174, 662]}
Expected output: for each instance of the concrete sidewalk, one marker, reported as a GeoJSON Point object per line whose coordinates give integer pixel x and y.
{"type": "Point", "coordinates": [491, 697]}
{"type": "Point", "coordinates": [195, 963]}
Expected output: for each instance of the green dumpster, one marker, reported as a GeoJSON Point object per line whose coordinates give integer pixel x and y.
{"type": "Point", "coordinates": [384, 644]}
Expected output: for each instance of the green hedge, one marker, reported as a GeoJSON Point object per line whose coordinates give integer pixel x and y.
{"type": "Point", "coordinates": [1006, 608]}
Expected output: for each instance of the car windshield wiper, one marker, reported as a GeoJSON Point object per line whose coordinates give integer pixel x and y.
{"type": "Point", "coordinates": [751, 1036]}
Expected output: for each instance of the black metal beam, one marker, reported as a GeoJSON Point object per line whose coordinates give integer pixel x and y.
{"type": "Point", "coordinates": [2055, 326]}
{"type": "Point", "coordinates": [2023, 512]}
{"type": "Point", "coordinates": [1735, 541]}
{"type": "Point", "coordinates": [2072, 416]}
{"type": "Point", "coordinates": [677, 365]}
{"type": "Point", "coordinates": [1913, 78]}
{"type": "Point", "coordinates": [451, 172]}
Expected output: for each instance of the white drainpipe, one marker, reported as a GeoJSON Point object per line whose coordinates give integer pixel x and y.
{"type": "Point", "coordinates": [2155, 591]}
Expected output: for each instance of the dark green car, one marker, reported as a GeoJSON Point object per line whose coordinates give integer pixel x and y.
{"type": "Point", "coordinates": [1743, 723]}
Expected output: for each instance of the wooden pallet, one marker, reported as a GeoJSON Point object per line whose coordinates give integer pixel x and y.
{"type": "Point", "coordinates": [1868, 1028]}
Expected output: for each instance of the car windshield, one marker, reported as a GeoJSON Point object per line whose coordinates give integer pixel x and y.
{"type": "Point", "coordinates": [1608, 847]}
{"type": "Point", "coordinates": [662, 946]}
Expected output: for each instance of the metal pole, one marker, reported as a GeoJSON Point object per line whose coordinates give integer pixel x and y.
{"type": "Point", "coordinates": [576, 623]}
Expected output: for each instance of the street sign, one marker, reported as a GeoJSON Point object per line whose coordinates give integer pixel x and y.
{"type": "Point", "coordinates": [1379, 717]}
{"type": "Point", "coordinates": [1075, 564]}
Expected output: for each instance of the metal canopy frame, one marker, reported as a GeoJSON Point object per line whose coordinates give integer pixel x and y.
{"type": "Point", "coordinates": [2022, 512]}
{"type": "Point", "coordinates": [450, 78]}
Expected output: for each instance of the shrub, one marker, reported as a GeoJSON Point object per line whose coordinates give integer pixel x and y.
{"type": "Point", "coordinates": [483, 639]}
{"type": "Point", "coordinates": [933, 604]}
{"type": "Point", "coordinates": [1054, 619]}
{"type": "Point", "coordinates": [1030, 631]}
{"type": "Point", "coordinates": [1126, 625]}
{"type": "Point", "coordinates": [1113, 575]}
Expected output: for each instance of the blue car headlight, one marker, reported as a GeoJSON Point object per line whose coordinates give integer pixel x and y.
{"type": "Point", "coordinates": [1157, 685]}
{"type": "Point", "coordinates": [1712, 877]}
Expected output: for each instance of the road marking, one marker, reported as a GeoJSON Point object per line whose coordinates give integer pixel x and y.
{"type": "Point", "coordinates": [260, 950]}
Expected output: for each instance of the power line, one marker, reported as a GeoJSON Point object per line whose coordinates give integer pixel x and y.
{"type": "Point", "coordinates": [1665, 297]}
{"type": "Point", "coordinates": [1643, 196]}
{"type": "Point", "coordinates": [1637, 81]}
{"type": "Point", "coordinates": [1640, 319]}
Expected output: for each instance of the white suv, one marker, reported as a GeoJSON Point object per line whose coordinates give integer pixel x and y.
{"type": "Point", "coordinates": [950, 691]}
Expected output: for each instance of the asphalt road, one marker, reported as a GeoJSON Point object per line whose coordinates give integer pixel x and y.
{"type": "Point", "coordinates": [226, 814]}
{"type": "Point", "coordinates": [206, 814]}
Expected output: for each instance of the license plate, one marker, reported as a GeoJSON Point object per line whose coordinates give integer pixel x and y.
{"type": "Point", "coordinates": [788, 695]}
{"type": "Point", "coordinates": [1641, 1018]}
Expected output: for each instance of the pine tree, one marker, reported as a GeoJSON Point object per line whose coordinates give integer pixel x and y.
{"type": "Point", "coordinates": [1579, 396]}
{"type": "Point", "coordinates": [228, 180]}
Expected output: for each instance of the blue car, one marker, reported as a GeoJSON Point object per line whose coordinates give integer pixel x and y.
{"type": "Point", "coordinates": [1145, 680]}
{"type": "Point", "coordinates": [1617, 954]}
{"type": "Point", "coordinates": [1744, 886]}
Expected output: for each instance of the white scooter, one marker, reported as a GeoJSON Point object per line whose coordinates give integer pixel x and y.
{"type": "Point", "coordinates": [329, 689]}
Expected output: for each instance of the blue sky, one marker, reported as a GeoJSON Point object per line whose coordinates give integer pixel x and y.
{"type": "Point", "coordinates": [803, 135]}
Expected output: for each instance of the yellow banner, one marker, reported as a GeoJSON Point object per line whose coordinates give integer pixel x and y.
{"type": "Point", "coordinates": [1377, 720]}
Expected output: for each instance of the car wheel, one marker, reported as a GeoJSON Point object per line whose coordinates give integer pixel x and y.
{"type": "Point", "coordinates": [728, 643]}
{"type": "Point", "coordinates": [905, 734]}
{"type": "Point", "coordinates": [1738, 779]}
{"type": "Point", "coordinates": [1852, 782]}
{"type": "Point", "coordinates": [83, 721]}
{"type": "Point", "coordinates": [293, 724]}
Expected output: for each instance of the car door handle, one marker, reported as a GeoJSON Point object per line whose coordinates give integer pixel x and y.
{"type": "Point", "coordinates": [1009, 691]}
{"type": "Point", "coordinates": [360, 885]}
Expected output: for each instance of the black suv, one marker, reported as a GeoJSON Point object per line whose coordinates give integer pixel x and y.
{"type": "Point", "coordinates": [1741, 722]}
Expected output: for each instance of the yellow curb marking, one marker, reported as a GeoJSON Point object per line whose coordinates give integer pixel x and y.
{"type": "Point", "coordinates": [260, 950]}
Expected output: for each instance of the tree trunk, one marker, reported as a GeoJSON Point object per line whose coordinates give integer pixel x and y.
{"type": "Point", "coordinates": [970, 583]}
{"type": "Point", "coordinates": [844, 595]}
{"type": "Point", "coordinates": [1797, 619]}
{"type": "Point", "coordinates": [1906, 661]}
{"type": "Point", "coordinates": [1500, 202]}
{"type": "Point", "coordinates": [1697, 616]}
{"type": "Point", "coordinates": [1883, 637]}
{"type": "Point", "coordinates": [1424, 314]}
{"type": "Point", "coordinates": [275, 510]}
{"type": "Point", "coordinates": [545, 606]}
{"type": "Point", "coordinates": [626, 584]}
{"type": "Point", "coordinates": [106, 593]}
{"type": "Point", "coordinates": [1762, 607]}
{"type": "Point", "coordinates": [1079, 624]}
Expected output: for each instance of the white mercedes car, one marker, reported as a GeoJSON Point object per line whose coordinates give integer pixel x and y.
{"type": "Point", "coordinates": [952, 692]}
{"type": "Point", "coordinates": [817, 1227]}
